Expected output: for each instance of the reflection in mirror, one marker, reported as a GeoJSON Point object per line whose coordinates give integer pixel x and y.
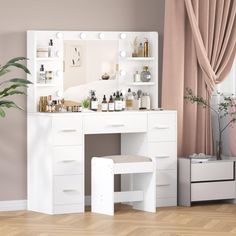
{"type": "Point", "coordinates": [86, 61]}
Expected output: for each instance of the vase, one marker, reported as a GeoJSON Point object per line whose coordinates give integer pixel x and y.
{"type": "Point", "coordinates": [218, 150]}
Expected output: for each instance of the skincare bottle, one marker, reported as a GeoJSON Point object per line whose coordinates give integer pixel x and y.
{"type": "Point", "coordinates": [104, 104]}
{"type": "Point", "coordinates": [118, 102]}
{"type": "Point", "coordinates": [41, 74]}
{"type": "Point", "coordinates": [140, 50]}
{"type": "Point", "coordinates": [111, 105]}
{"type": "Point", "coordinates": [129, 100]}
{"type": "Point", "coordinates": [137, 77]}
{"type": "Point", "coordinates": [50, 49]}
{"type": "Point", "coordinates": [146, 49]}
{"type": "Point", "coordinates": [123, 101]}
{"type": "Point", "coordinates": [93, 102]}
{"type": "Point", "coordinates": [145, 74]}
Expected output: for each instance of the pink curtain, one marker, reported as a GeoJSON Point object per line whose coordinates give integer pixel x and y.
{"type": "Point", "coordinates": [199, 49]}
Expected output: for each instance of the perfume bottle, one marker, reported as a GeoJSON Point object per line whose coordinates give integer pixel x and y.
{"type": "Point", "coordinates": [140, 50]}
{"type": "Point", "coordinates": [50, 49]}
{"type": "Point", "coordinates": [146, 48]}
{"type": "Point", "coordinates": [145, 74]}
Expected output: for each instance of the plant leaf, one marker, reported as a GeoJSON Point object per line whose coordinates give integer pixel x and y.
{"type": "Point", "coordinates": [2, 112]}
{"type": "Point", "coordinates": [9, 104]}
{"type": "Point", "coordinates": [18, 65]}
{"type": "Point", "coordinates": [3, 71]}
{"type": "Point", "coordinates": [17, 80]}
{"type": "Point", "coordinates": [13, 60]}
{"type": "Point", "coordinates": [14, 86]}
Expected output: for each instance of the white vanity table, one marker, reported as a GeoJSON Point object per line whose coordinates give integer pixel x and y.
{"type": "Point", "coordinates": [56, 153]}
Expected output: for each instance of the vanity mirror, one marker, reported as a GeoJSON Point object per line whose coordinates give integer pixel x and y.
{"type": "Point", "coordinates": [69, 64]}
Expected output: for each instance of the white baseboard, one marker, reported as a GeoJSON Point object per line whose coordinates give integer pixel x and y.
{"type": "Point", "coordinates": [16, 205]}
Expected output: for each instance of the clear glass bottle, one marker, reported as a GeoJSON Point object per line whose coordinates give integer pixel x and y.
{"type": "Point", "coordinates": [118, 102]}
{"type": "Point", "coordinates": [50, 49]}
{"type": "Point", "coordinates": [41, 78]}
{"type": "Point", "coordinates": [93, 102]}
{"type": "Point", "coordinates": [129, 100]}
{"type": "Point", "coordinates": [145, 74]}
{"type": "Point", "coordinates": [111, 105]}
{"type": "Point", "coordinates": [140, 50]}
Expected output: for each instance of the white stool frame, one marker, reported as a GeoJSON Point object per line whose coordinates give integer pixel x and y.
{"type": "Point", "coordinates": [143, 194]}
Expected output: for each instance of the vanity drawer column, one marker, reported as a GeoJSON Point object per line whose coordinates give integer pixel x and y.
{"type": "Point", "coordinates": [162, 146]}
{"type": "Point", "coordinates": [68, 165]}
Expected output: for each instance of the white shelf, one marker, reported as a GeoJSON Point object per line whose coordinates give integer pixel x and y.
{"type": "Point", "coordinates": [46, 85]}
{"type": "Point", "coordinates": [48, 58]}
{"type": "Point", "coordinates": [141, 83]}
{"type": "Point", "coordinates": [139, 58]}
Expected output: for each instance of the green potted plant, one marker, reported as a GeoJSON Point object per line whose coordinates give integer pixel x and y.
{"type": "Point", "coordinates": [12, 86]}
{"type": "Point", "coordinates": [85, 104]}
{"type": "Point", "coordinates": [226, 107]}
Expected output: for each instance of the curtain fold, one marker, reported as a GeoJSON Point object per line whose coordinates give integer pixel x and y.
{"type": "Point", "coordinates": [199, 50]}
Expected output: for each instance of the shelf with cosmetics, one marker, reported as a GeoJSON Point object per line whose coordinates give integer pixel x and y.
{"type": "Point", "coordinates": [69, 64]}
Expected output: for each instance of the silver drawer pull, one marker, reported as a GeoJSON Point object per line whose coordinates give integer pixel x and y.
{"type": "Point", "coordinates": [68, 130]}
{"type": "Point", "coordinates": [69, 190]}
{"type": "Point", "coordinates": [68, 161]}
{"type": "Point", "coordinates": [163, 156]}
{"type": "Point", "coordinates": [116, 125]}
{"type": "Point", "coordinates": [163, 185]}
{"type": "Point", "coordinates": [161, 127]}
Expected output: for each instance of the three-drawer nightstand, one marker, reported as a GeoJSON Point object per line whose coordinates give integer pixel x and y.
{"type": "Point", "coordinates": [211, 180]}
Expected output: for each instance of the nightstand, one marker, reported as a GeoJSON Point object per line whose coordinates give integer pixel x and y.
{"type": "Point", "coordinates": [211, 180]}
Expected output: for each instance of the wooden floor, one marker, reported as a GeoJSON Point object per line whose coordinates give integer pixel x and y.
{"type": "Point", "coordinates": [204, 220]}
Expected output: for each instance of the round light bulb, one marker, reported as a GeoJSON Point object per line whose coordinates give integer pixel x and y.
{"type": "Point", "coordinates": [59, 93]}
{"type": "Point", "coordinates": [122, 72]}
{"type": "Point", "coordinates": [59, 35]}
{"type": "Point", "coordinates": [122, 53]}
{"type": "Point", "coordinates": [101, 35]}
{"type": "Point", "coordinates": [59, 53]}
{"type": "Point", "coordinates": [59, 73]}
{"type": "Point", "coordinates": [122, 36]}
{"type": "Point", "coordinates": [83, 35]}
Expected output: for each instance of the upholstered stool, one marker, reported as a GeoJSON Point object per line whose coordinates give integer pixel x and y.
{"type": "Point", "coordinates": [143, 194]}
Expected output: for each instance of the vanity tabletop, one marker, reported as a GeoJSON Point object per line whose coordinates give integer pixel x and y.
{"type": "Point", "coordinates": [86, 113]}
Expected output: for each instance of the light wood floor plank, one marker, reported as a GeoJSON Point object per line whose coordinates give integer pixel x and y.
{"type": "Point", "coordinates": [204, 220]}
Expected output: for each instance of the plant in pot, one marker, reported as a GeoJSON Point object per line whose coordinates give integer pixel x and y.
{"type": "Point", "coordinates": [12, 86]}
{"type": "Point", "coordinates": [85, 104]}
{"type": "Point", "coordinates": [226, 108]}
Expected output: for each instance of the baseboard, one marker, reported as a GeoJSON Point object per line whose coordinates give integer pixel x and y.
{"type": "Point", "coordinates": [16, 205]}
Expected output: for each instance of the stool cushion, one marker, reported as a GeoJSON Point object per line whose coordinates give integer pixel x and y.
{"type": "Point", "coordinates": [128, 158]}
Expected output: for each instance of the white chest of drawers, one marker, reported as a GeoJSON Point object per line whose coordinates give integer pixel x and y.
{"type": "Point", "coordinates": [56, 154]}
{"type": "Point", "coordinates": [212, 180]}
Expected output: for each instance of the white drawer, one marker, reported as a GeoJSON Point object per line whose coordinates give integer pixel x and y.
{"type": "Point", "coordinates": [165, 155]}
{"type": "Point", "coordinates": [210, 171]}
{"type": "Point", "coordinates": [212, 190]}
{"type": "Point", "coordinates": [68, 189]}
{"type": "Point", "coordinates": [166, 184]}
{"type": "Point", "coordinates": [67, 131]}
{"type": "Point", "coordinates": [161, 127]}
{"type": "Point", "coordinates": [68, 160]}
{"type": "Point", "coordinates": [67, 209]}
{"type": "Point", "coordinates": [115, 123]}
{"type": "Point", "coordinates": [166, 202]}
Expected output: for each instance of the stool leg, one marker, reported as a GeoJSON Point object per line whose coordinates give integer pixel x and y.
{"type": "Point", "coordinates": [147, 183]}
{"type": "Point", "coordinates": [102, 186]}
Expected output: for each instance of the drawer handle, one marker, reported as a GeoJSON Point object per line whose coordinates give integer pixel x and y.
{"type": "Point", "coordinates": [163, 185]}
{"type": "Point", "coordinates": [161, 127]}
{"type": "Point", "coordinates": [69, 190]}
{"type": "Point", "coordinates": [116, 125]}
{"type": "Point", "coordinates": [68, 130]}
{"type": "Point", "coordinates": [163, 156]}
{"type": "Point", "coordinates": [68, 161]}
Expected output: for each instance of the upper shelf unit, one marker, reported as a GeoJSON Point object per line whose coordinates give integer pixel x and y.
{"type": "Point", "coordinates": [38, 44]}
